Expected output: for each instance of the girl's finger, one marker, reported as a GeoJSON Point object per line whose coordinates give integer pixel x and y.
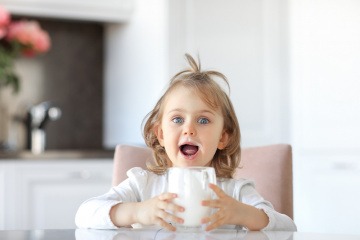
{"type": "Point", "coordinates": [160, 222]}
{"type": "Point", "coordinates": [169, 206]}
{"type": "Point", "coordinates": [219, 192]}
{"type": "Point", "coordinates": [213, 218]}
{"type": "Point", "coordinates": [213, 226]}
{"type": "Point", "coordinates": [167, 196]}
{"type": "Point", "coordinates": [214, 223]}
{"type": "Point", "coordinates": [170, 217]}
{"type": "Point", "coordinates": [212, 203]}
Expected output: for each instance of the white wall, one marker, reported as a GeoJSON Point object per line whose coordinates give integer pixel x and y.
{"type": "Point", "coordinates": [325, 73]}
{"type": "Point", "coordinates": [244, 40]}
{"type": "Point", "coordinates": [136, 70]}
{"type": "Point", "coordinates": [294, 76]}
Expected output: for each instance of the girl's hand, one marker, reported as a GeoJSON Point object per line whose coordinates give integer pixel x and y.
{"type": "Point", "coordinates": [158, 210]}
{"type": "Point", "coordinates": [231, 211]}
{"type": "Point", "coordinates": [226, 205]}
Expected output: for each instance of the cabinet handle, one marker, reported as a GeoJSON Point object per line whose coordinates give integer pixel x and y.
{"type": "Point", "coordinates": [85, 174]}
{"type": "Point", "coordinates": [345, 166]}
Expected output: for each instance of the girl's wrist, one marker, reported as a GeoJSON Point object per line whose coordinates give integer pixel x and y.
{"type": "Point", "coordinates": [124, 214]}
{"type": "Point", "coordinates": [136, 208]}
{"type": "Point", "coordinates": [257, 219]}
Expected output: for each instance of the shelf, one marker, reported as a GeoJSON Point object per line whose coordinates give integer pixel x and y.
{"type": "Point", "coordinates": [115, 11]}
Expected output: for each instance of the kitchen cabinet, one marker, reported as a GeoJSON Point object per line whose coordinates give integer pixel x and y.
{"type": "Point", "coordinates": [104, 11]}
{"type": "Point", "coordinates": [45, 194]}
{"type": "Point", "coordinates": [2, 198]}
{"type": "Point", "coordinates": [327, 193]}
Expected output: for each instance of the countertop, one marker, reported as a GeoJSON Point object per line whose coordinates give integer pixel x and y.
{"type": "Point", "coordinates": [58, 154]}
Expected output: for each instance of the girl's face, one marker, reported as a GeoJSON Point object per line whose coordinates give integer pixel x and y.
{"type": "Point", "coordinates": [190, 131]}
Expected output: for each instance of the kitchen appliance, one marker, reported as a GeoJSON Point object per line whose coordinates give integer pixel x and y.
{"type": "Point", "coordinates": [37, 118]}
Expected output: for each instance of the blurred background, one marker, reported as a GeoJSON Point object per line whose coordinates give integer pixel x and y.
{"type": "Point", "coordinates": [293, 67]}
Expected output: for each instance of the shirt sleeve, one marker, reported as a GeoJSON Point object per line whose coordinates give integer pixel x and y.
{"type": "Point", "coordinates": [95, 212]}
{"type": "Point", "coordinates": [277, 221]}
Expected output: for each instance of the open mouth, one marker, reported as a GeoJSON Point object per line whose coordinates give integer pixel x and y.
{"type": "Point", "coordinates": [188, 149]}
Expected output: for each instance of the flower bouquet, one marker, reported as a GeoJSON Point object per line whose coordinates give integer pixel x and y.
{"type": "Point", "coordinates": [18, 38]}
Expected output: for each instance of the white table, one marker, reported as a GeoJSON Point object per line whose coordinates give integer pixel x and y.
{"type": "Point", "coordinates": [160, 234]}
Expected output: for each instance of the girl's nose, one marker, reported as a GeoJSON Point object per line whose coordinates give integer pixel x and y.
{"type": "Point", "coordinates": [189, 130]}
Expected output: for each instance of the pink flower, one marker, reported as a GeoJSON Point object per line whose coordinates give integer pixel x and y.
{"type": "Point", "coordinates": [4, 21]}
{"type": "Point", "coordinates": [18, 38]}
{"type": "Point", "coordinates": [2, 32]}
{"type": "Point", "coordinates": [30, 35]}
{"type": "Point", "coordinates": [4, 17]}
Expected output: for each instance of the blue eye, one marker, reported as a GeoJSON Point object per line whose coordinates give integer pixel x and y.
{"type": "Point", "coordinates": [177, 120]}
{"type": "Point", "coordinates": [203, 121]}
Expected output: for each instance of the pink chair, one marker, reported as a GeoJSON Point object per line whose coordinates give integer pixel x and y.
{"type": "Point", "coordinates": [269, 166]}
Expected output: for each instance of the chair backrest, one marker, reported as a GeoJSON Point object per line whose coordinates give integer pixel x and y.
{"type": "Point", "coordinates": [269, 166]}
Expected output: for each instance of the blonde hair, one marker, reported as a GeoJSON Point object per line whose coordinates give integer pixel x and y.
{"type": "Point", "coordinates": [225, 161]}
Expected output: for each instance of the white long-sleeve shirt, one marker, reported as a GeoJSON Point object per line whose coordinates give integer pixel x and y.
{"type": "Point", "coordinates": [142, 185]}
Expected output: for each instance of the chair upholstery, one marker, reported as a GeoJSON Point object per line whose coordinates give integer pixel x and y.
{"type": "Point", "coordinates": [269, 166]}
{"type": "Point", "coordinates": [271, 169]}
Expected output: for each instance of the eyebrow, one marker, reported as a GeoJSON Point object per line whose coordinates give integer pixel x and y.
{"type": "Point", "coordinates": [182, 110]}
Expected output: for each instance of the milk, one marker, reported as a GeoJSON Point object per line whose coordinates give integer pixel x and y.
{"type": "Point", "coordinates": [192, 186]}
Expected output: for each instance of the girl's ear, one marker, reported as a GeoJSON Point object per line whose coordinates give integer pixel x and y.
{"type": "Point", "coordinates": [159, 134]}
{"type": "Point", "coordinates": [223, 140]}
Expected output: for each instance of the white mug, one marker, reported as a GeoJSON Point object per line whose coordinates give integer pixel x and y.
{"type": "Point", "coordinates": [191, 184]}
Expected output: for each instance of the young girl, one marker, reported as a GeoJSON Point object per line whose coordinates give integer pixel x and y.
{"type": "Point", "coordinates": [192, 124]}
